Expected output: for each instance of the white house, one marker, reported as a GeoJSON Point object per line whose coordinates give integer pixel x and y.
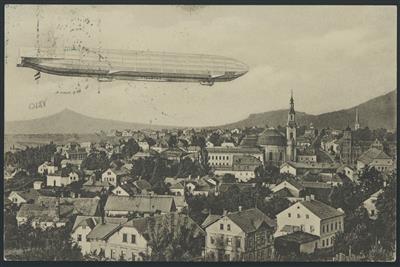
{"type": "Point", "coordinates": [376, 158]}
{"type": "Point", "coordinates": [292, 187]}
{"type": "Point", "coordinates": [48, 167]}
{"type": "Point", "coordinates": [313, 217]}
{"type": "Point", "coordinates": [232, 236]}
{"type": "Point", "coordinates": [369, 204]}
{"type": "Point", "coordinates": [58, 180]}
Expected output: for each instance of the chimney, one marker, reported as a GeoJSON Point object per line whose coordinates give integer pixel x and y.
{"type": "Point", "coordinates": [384, 183]}
{"type": "Point", "coordinates": [311, 197]}
{"type": "Point", "coordinates": [224, 212]}
{"type": "Point", "coordinates": [198, 177]}
{"type": "Point", "coordinates": [307, 198]}
{"type": "Point", "coordinates": [240, 208]}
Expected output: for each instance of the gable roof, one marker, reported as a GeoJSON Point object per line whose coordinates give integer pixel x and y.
{"type": "Point", "coordinates": [140, 203]}
{"type": "Point", "coordinates": [28, 195]}
{"type": "Point", "coordinates": [320, 209]}
{"type": "Point", "coordinates": [251, 219]}
{"type": "Point", "coordinates": [211, 218]}
{"type": "Point", "coordinates": [373, 153]}
{"type": "Point", "coordinates": [80, 206]}
{"type": "Point", "coordinates": [90, 221]}
{"type": "Point", "coordinates": [142, 184]}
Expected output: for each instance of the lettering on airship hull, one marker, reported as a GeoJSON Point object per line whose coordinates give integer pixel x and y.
{"type": "Point", "coordinates": [138, 65]}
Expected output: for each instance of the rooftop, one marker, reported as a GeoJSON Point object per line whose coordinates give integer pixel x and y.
{"type": "Point", "coordinates": [320, 209]}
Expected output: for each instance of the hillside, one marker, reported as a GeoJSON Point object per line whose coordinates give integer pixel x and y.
{"type": "Point", "coordinates": [68, 121]}
{"type": "Point", "coordinates": [379, 112]}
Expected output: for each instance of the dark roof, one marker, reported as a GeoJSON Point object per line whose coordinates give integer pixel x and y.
{"type": "Point", "coordinates": [80, 206]}
{"type": "Point", "coordinates": [271, 136]}
{"type": "Point", "coordinates": [284, 192]}
{"type": "Point", "coordinates": [249, 141]}
{"type": "Point", "coordinates": [101, 230]}
{"type": "Point", "coordinates": [251, 219]}
{"type": "Point", "coordinates": [90, 221]}
{"type": "Point", "coordinates": [28, 195]}
{"type": "Point", "coordinates": [142, 184]}
{"type": "Point", "coordinates": [241, 150]}
{"type": "Point", "coordinates": [322, 210]}
{"type": "Point", "coordinates": [298, 237]}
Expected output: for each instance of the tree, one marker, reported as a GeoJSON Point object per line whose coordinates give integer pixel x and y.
{"type": "Point", "coordinates": [371, 181]}
{"type": "Point", "coordinates": [347, 196]}
{"type": "Point", "coordinates": [130, 148]}
{"type": "Point", "coordinates": [386, 220]}
{"type": "Point", "coordinates": [273, 206]}
{"type": "Point", "coordinates": [228, 178]}
{"type": "Point", "coordinates": [172, 141]}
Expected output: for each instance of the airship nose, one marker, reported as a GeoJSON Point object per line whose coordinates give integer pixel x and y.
{"type": "Point", "coordinates": [243, 69]}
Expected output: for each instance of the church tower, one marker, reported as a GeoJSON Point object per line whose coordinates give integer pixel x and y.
{"type": "Point", "coordinates": [291, 128]}
{"type": "Point", "coordinates": [357, 124]}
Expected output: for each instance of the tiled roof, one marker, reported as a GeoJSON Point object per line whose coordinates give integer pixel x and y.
{"type": "Point", "coordinates": [373, 153]}
{"type": "Point", "coordinates": [140, 203]}
{"type": "Point", "coordinates": [81, 206]}
{"type": "Point", "coordinates": [29, 195]}
{"type": "Point", "coordinates": [211, 218]}
{"type": "Point", "coordinates": [250, 220]}
{"type": "Point", "coordinates": [321, 210]}
{"type": "Point", "coordinates": [38, 212]}
{"type": "Point", "coordinates": [100, 231]}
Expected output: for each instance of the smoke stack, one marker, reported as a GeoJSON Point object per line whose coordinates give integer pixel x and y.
{"type": "Point", "coordinates": [311, 197]}
{"type": "Point", "coordinates": [240, 208]}
{"type": "Point", "coordinates": [224, 212]}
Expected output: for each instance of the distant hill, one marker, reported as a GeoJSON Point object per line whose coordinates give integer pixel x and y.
{"type": "Point", "coordinates": [379, 112]}
{"type": "Point", "coordinates": [68, 121]}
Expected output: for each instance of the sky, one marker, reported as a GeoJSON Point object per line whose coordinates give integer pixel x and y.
{"type": "Point", "coordinates": [332, 57]}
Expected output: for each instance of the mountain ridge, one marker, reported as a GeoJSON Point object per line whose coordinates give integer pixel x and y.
{"type": "Point", "coordinates": [378, 112]}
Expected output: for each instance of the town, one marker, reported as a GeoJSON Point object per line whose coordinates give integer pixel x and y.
{"type": "Point", "coordinates": [252, 194]}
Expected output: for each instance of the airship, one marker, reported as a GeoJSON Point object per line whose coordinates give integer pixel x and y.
{"type": "Point", "coordinates": [110, 65]}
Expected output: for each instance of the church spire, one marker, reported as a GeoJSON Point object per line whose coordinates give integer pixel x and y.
{"type": "Point", "coordinates": [291, 110]}
{"type": "Point", "coordinates": [357, 124]}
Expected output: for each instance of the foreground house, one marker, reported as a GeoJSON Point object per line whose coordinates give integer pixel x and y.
{"type": "Point", "coordinates": [118, 238]}
{"type": "Point", "coordinates": [243, 235]}
{"type": "Point", "coordinates": [313, 217]}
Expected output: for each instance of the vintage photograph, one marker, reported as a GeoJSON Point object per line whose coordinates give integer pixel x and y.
{"type": "Point", "coordinates": [191, 133]}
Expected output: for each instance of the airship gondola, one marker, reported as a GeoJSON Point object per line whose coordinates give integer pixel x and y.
{"type": "Point", "coordinates": [109, 65]}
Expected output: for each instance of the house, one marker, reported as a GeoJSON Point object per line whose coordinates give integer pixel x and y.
{"type": "Point", "coordinates": [94, 186]}
{"type": "Point", "coordinates": [177, 189]}
{"type": "Point", "coordinates": [209, 144]}
{"type": "Point", "coordinates": [297, 242]}
{"type": "Point", "coordinates": [245, 235]}
{"type": "Point", "coordinates": [113, 175]}
{"type": "Point", "coordinates": [180, 203]}
{"type": "Point", "coordinates": [131, 240]}
{"type": "Point", "coordinates": [173, 154]}
{"type": "Point", "coordinates": [243, 167]}
{"type": "Point", "coordinates": [43, 217]}
{"type": "Point", "coordinates": [300, 168]}
{"type": "Point", "coordinates": [37, 185]}
{"type": "Point", "coordinates": [77, 206]}
{"type": "Point", "coordinates": [60, 179]}
{"type": "Point", "coordinates": [83, 225]}
{"type": "Point", "coordinates": [144, 146]}
{"type": "Point", "coordinates": [313, 217]}
{"type": "Point", "coordinates": [376, 158]}
{"type": "Point", "coordinates": [227, 144]}
{"type": "Point", "coordinates": [21, 197]}
{"type": "Point", "coordinates": [369, 204]}
{"type": "Point", "coordinates": [76, 154]}
{"type": "Point", "coordinates": [222, 157]}
{"type": "Point", "coordinates": [125, 189]}
{"type": "Point", "coordinates": [140, 205]}
{"type": "Point", "coordinates": [47, 168]}
{"type": "Point", "coordinates": [289, 188]}
{"type": "Point", "coordinates": [76, 163]}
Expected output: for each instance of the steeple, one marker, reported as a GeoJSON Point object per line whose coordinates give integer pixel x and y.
{"type": "Point", "coordinates": [357, 124]}
{"type": "Point", "coordinates": [291, 110]}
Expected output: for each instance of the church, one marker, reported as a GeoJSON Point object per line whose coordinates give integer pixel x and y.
{"type": "Point", "coordinates": [277, 147]}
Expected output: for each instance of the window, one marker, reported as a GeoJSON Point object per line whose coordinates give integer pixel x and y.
{"type": "Point", "coordinates": [323, 243]}
{"type": "Point", "coordinates": [123, 254]}
{"type": "Point", "coordinates": [316, 244]}
{"type": "Point", "coordinates": [372, 212]}
{"type": "Point", "coordinates": [289, 215]}
{"type": "Point", "coordinates": [298, 215]}
{"type": "Point", "coordinates": [340, 225]}
{"type": "Point", "coordinates": [226, 257]}
{"type": "Point", "coordinates": [124, 238]}
{"type": "Point", "coordinates": [212, 240]}
{"type": "Point", "coordinates": [133, 256]}
{"type": "Point", "coordinates": [307, 216]}
{"type": "Point", "coordinates": [238, 243]}
{"type": "Point", "coordinates": [133, 239]}
{"type": "Point", "coordinates": [79, 237]}
{"type": "Point", "coordinates": [229, 241]}
{"type": "Point", "coordinates": [270, 155]}
{"type": "Point", "coordinates": [221, 227]}
{"type": "Point", "coordinates": [332, 238]}
{"type": "Point", "coordinates": [331, 226]}
{"type": "Point", "coordinates": [323, 228]}
{"type": "Point", "coordinates": [228, 227]}
{"type": "Point", "coordinates": [113, 254]}
{"type": "Point", "coordinates": [327, 241]}
{"type": "Point", "coordinates": [311, 229]}
{"type": "Point", "coordinates": [335, 225]}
